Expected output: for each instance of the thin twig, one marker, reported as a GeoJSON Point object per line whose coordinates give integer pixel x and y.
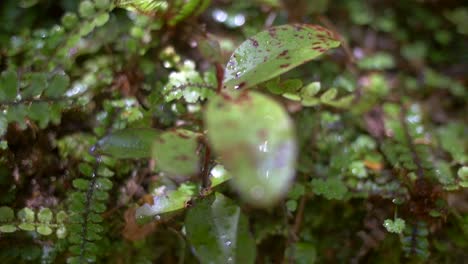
{"type": "Point", "coordinates": [299, 217]}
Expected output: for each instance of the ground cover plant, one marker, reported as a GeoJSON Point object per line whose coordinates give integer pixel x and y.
{"type": "Point", "coordinates": [267, 131]}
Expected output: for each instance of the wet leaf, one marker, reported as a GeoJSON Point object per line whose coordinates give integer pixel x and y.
{"type": "Point", "coordinates": [7, 215]}
{"type": "Point", "coordinates": [8, 85]}
{"type": "Point", "coordinates": [175, 152]}
{"type": "Point", "coordinates": [128, 143]}
{"type": "Point", "coordinates": [44, 230]}
{"type": "Point", "coordinates": [7, 228]}
{"type": "Point", "coordinates": [218, 176]}
{"type": "Point", "coordinates": [330, 188]}
{"type": "Point", "coordinates": [275, 51]}
{"type": "Point", "coordinates": [58, 85]}
{"type": "Point", "coordinates": [144, 6]}
{"type": "Point", "coordinates": [302, 253]}
{"type": "Point", "coordinates": [255, 139]}
{"type": "Point", "coordinates": [219, 232]}
{"type": "Point", "coordinates": [168, 202]}
{"type": "Point", "coordinates": [45, 215]}
{"type": "Point", "coordinates": [27, 217]}
{"type": "Point", "coordinates": [394, 226]}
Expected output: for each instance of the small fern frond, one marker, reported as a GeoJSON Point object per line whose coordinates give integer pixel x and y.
{"type": "Point", "coordinates": [86, 205]}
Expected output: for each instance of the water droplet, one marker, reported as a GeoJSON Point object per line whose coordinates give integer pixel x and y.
{"type": "Point", "coordinates": [263, 147]}
{"type": "Point", "coordinates": [193, 43]}
{"type": "Point", "coordinates": [219, 15]}
{"type": "Point", "coordinates": [239, 20]}
{"type": "Point", "coordinates": [167, 64]}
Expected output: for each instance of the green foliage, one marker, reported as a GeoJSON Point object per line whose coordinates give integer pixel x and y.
{"type": "Point", "coordinates": [218, 231]}
{"type": "Point", "coordinates": [259, 148]}
{"type": "Point", "coordinates": [394, 226]}
{"type": "Point", "coordinates": [189, 84]}
{"type": "Point", "coordinates": [39, 100]}
{"type": "Point", "coordinates": [128, 143]}
{"type": "Point", "coordinates": [44, 221]}
{"type": "Point", "coordinates": [178, 10]}
{"type": "Point", "coordinates": [308, 95]}
{"type": "Point", "coordinates": [130, 131]}
{"type": "Point", "coordinates": [414, 241]}
{"type": "Point", "coordinates": [85, 206]}
{"type": "Point", "coordinates": [176, 152]}
{"type": "Point", "coordinates": [330, 188]}
{"type": "Point", "coordinates": [275, 51]}
{"type": "Point", "coordinates": [166, 202]}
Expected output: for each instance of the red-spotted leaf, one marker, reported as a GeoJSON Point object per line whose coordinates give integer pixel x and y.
{"type": "Point", "coordinates": [275, 51]}
{"type": "Point", "coordinates": [175, 152]}
{"type": "Point", "coordinates": [255, 140]}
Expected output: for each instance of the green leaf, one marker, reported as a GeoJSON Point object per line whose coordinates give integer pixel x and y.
{"type": "Point", "coordinates": [6, 214]}
{"type": "Point", "coordinates": [291, 85]}
{"type": "Point", "coordinates": [61, 217]}
{"type": "Point", "coordinates": [27, 217]}
{"type": "Point", "coordinates": [3, 125]}
{"type": "Point", "coordinates": [44, 230]}
{"type": "Point", "coordinates": [330, 188]}
{"type": "Point", "coordinates": [17, 113]}
{"type": "Point", "coordinates": [175, 152]}
{"type": "Point", "coordinates": [394, 226]}
{"type": "Point", "coordinates": [255, 139]}
{"type": "Point", "coordinates": [69, 20]}
{"type": "Point", "coordinates": [61, 232]}
{"type": "Point", "coordinates": [219, 232]}
{"type": "Point", "coordinates": [7, 228]}
{"type": "Point", "coordinates": [86, 169]}
{"type": "Point", "coordinates": [81, 184]}
{"type": "Point", "coordinates": [144, 6]}
{"type": "Point", "coordinates": [38, 83]}
{"type": "Point", "coordinates": [98, 207]}
{"type": "Point", "coordinates": [218, 175]}
{"type": "Point", "coordinates": [27, 3]}
{"type": "Point", "coordinates": [275, 51]}
{"type": "Point", "coordinates": [57, 86]}
{"type": "Point", "coordinates": [450, 137]}
{"type": "Point", "coordinates": [8, 85]}
{"type": "Point", "coordinates": [302, 253]}
{"type": "Point", "coordinates": [102, 4]}
{"type": "Point", "coordinates": [86, 8]}
{"type": "Point", "coordinates": [39, 111]}
{"type": "Point", "coordinates": [45, 215]}
{"type": "Point", "coordinates": [377, 61]}
{"type": "Point", "coordinates": [310, 90]}
{"type": "Point", "coordinates": [104, 184]}
{"type": "Point", "coordinates": [186, 9]}
{"type": "Point", "coordinates": [128, 143]}
{"type": "Point", "coordinates": [101, 19]}
{"type": "Point", "coordinates": [463, 176]}
{"type": "Point", "coordinates": [100, 195]}
{"type": "Point", "coordinates": [329, 95]}
{"type": "Point", "coordinates": [168, 202]}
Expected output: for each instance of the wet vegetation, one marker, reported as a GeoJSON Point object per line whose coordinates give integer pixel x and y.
{"type": "Point", "coordinates": [267, 131]}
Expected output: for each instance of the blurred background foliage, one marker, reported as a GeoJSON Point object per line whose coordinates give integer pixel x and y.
{"type": "Point", "coordinates": [381, 126]}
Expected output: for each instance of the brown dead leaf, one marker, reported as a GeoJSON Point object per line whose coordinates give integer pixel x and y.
{"type": "Point", "coordinates": [132, 230]}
